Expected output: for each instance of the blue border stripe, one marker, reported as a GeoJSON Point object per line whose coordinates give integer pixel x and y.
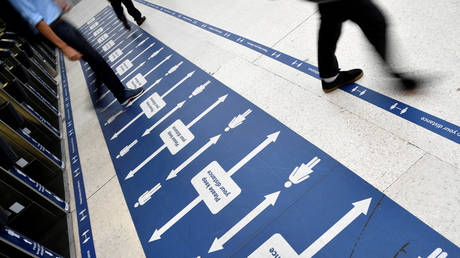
{"type": "Point", "coordinates": [26, 244]}
{"type": "Point", "coordinates": [434, 124]}
{"type": "Point", "coordinates": [81, 206]}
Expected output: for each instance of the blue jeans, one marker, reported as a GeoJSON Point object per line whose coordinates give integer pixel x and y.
{"type": "Point", "coordinates": [70, 35]}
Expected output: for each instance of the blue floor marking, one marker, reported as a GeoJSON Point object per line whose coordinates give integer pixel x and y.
{"type": "Point", "coordinates": [81, 206]}
{"type": "Point", "coordinates": [398, 108]}
{"type": "Point", "coordinates": [26, 244]}
{"type": "Point", "coordinates": [204, 172]}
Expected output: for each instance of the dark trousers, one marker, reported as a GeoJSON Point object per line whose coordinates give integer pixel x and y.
{"type": "Point", "coordinates": [362, 12]}
{"type": "Point", "coordinates": [103, 72]}
{"type": "Point", "coordinates": [116, 4]}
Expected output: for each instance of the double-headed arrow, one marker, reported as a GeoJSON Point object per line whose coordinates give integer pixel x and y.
{"type": "Point", "coordinates": [176, 171]}
{"type": "Point", "coordinates": [158, 232]}
{"type": "Point", "coordinates": [178, 106]}
{"type": "Point", "coordinates": [111, 119]}
{"type": "Point", "coordinates": [156, 66]}
{"type": "Point", "coordinates": [150, 129]}
{"type": "Point", "coordinates": [219, 243]}
{"type": "Point", "coordinates": [153, 155]}
{"type": "Point", "coordinates": [135, 69]}
{"type": "Point", "coordinates": [127, 45]}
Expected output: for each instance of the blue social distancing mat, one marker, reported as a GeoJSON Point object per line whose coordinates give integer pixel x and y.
{"type": "Point", "coordinates": [205, 172]}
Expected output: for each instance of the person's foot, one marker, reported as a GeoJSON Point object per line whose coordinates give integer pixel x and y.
{"type": "Point", "coordinates": [141, 20]}
{"type": "Point", "coordinates": [343, 78]}
{"type": "Point", "coordinates": [407, 82]}
{"type": "Point", "coordinates": [129, 95]}
{"type": "Point", "coordinates": [126, 24]}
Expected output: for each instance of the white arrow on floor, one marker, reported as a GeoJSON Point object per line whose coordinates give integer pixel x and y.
{"type": "Point", "coordinates": [142, 52]}
{"type": "Point", "coordinates": [100, 25]}
{"type": "Point", "coordinates": [110, 37]}
{"type": "Point", "coordinates": [195, 155]}
{"type": "Point", "coordinates": [164, 95]}
{"type": "Point", "coordinates": [156, 66]}
{"type": "Point", "coordinates": [108, 105]}
{"type": "Point", "coordinates": [153, 155]}
{"type": "Point", "coordinates": [151, 86]}
{"type": "Point", "coordinates": [201, 88]}
{"type": "Point", "coordinates": [121, 58]}
{"type": "Point", "coordinates": [270, 138]}
{"type": "Point", "coordinates": [219, 243]}
{"type": "Point", "coordinates": [158, 232]}
{"type": "Point", "coordinates": [139, 66]}
{"type": "Point", "coordinates": [112, 118]}
{"type": "Point", "coordinates": [115, 135]}
{"type": "Point", "coordinates": [181, 104]}
{"type": "Point", "coordinates": [116, 45]}
{"type": "Point", "coordinates": [142, 42]}
{"type": "Point", "coordinates": [178, 83]}
{"type": "Point", "coordinates": [209, 109]}
{"type": "Point", "coordinates": [359, 208]}
{"type": "Point", "coordinates": [127, 45]}
{"type": "Point", "coordinates": [103, 95]}
{"type": "Point", "coordinates": [178, 106]}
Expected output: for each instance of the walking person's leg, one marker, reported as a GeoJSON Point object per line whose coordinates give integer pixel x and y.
{"type": "Point", "coordinates": [373, 24]}
{"type": "Point", "coordinates": [102, 70]}
{"type": "Point", "coordinates": [116, 5]}
{"type": "Point", "coordinates": [332, 16]}
{"type": "Point", "coordinates": [328, 35]}
{"type": "Point", "coordinates": [133, 11]}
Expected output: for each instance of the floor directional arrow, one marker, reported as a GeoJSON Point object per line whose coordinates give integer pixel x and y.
{"type": "Point", "coordinates": [158, 232]}
{"type": "Point", "coordinates": [209, 109]}
{"type": "Point", "coordinates": [135, 69]}
{"type": "Point", "coordinates": [359, 208]}
{"type": "Point", "coordinates": [153, 155]}
{"type": "Point", "coordinates": [149, 158]}
{"type": "Point", "coordinates": [270, 138]}
{"type": "Point", "coordinates": [115, 135]}
{"type": "Point", "coordinates": [219, 243]}
{"type": "Point", "coordinates": [178, 106]}
{"type": "Point", "coordinates": [177, 84]}
{"type": "Point", "coordinates": [176, 171]}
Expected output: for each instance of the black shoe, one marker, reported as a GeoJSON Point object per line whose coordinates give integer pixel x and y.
{"type": "Point", "coordinates": [141, 20]}
{"type": "Point", "coordinates": [407, 83]}
{"type": "Point", "coordinates": [344, 78]}
{"type": "Point", "coordinates": [126, 24]}
{"type": "Point", "coordinates": [129, 95]}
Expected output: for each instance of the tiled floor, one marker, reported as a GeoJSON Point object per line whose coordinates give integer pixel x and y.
{"type": "Point", "coordinates": [418, 169]}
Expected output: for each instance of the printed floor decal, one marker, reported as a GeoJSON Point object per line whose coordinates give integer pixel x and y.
{"type": "Point", "coordinates": [206, 173]}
